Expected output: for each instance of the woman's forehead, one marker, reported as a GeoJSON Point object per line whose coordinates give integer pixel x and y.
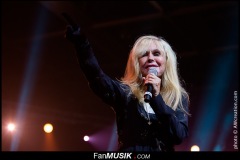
{"type": "Point", "coordinates": [151, 46]}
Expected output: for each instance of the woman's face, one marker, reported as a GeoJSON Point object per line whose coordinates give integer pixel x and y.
{"type": "Point", "coordinates": [153, 58]}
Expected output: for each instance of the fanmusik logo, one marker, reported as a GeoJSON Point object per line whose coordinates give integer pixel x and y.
{"type": "Point", "coordinates": [112, 156]}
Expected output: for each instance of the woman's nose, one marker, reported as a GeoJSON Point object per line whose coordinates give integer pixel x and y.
{"type": "Point", "coordinates": [150, 57]}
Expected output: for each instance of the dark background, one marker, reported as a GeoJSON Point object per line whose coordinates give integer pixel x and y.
{"type": "Point", "coordinates": [42, 82]}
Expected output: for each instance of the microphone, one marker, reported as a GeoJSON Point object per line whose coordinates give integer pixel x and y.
{"type": "Point", "coordinates": [148, 93]}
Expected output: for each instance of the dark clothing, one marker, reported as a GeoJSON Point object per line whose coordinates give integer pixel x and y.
{"type": "Point", "coordinates": [168, 127]}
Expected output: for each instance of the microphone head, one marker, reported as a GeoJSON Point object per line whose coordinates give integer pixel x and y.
{"type": "Point", "coordinates": [153, 70]}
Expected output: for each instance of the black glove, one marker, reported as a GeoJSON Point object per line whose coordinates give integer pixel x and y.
{"type": "Point", "coordinates": [75, 36]}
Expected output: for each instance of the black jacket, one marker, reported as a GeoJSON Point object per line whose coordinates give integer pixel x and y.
{"type": "Point", "coordinates": [168, 127]}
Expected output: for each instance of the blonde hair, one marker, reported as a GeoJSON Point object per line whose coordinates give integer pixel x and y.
{"type": "Point", "coordinates": [171, 88]}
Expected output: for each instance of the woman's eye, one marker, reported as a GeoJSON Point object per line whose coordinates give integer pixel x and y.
{"type": "Point", "coordinates": [157, 53]}
{"type": "Point", "coordinates": [144, 55]}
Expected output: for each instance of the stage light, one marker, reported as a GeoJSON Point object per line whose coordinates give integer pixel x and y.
{"type": "Point", "coordinates": [48, 128]}
{"type": "Point", "coordinates": [86, 138]}
{"type": "Point", "coordinates": [195, 148]}
{"type": "Point", "coordinates": [30, 73]}
{"type": "Point", "coordinates": [11, 127]}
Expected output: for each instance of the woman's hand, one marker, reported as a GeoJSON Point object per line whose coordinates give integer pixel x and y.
{"type": "Point", "coordinates": [155, 81]}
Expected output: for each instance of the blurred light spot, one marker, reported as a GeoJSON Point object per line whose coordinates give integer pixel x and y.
{"type": "Point", "coordinates": [86, 138]}
{"type": "Point", "coordinates": [195, 148]}
{"type": "Point", "coordinates": [11, 127]}
{"type": "Point", "coordinates": [48, 128]}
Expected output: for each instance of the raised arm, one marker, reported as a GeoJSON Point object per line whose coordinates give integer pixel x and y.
{"type": "Point", "coordinates": [103, 86]}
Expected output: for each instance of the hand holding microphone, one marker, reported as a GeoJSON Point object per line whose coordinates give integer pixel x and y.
{"type": "Point", "coordinates": [153, 84]}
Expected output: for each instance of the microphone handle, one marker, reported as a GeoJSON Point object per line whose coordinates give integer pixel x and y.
{"type": "Point", "coordinates": [148, 93]}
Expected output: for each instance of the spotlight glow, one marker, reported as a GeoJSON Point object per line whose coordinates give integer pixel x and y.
{"type": "Point", "coordinates": [195, 148]}
{"type": "Point", "coordinates": [86, 138]}
{"type": "Point", "coordinates": [48, 128]}
{"type": "Point", "coordinates": [11, 127]}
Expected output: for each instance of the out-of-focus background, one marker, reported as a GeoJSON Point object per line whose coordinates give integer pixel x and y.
{"type": "Point", "coordinates": [42, 82]}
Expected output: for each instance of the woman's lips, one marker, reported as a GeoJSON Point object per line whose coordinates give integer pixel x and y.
{"type": "Point", "coordinates": [151, 66]}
